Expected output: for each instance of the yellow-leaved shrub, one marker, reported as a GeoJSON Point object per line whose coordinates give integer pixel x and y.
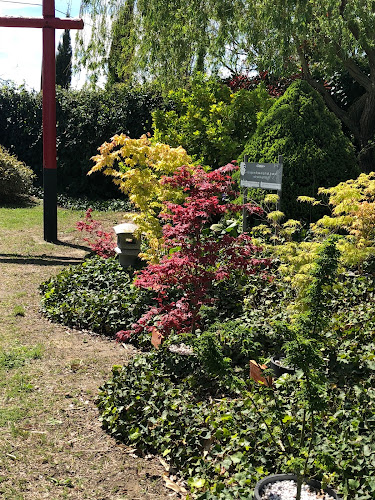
{"type": "Point", "coordinates": [137, 166]}
{"type": "Point", "coordinates": [16, 179]}
{"type": "Point", "coordinates": [352, 206]}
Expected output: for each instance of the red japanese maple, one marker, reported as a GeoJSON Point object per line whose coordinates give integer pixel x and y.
{"type": "Point", "coordinates": [100, 241]}
{"type": "Point", "coordinates": [275, 86]}
{"type": "Point", "coordinates": [198, 257]}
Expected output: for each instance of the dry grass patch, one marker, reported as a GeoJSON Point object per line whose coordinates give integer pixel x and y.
{"type": "Point", "coordinates": [52, 445]}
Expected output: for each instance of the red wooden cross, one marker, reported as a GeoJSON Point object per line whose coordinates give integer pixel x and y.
{"type": "Point", "coordinates": [49, 23]}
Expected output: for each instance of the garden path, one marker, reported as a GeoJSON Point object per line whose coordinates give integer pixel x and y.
{"type": "Point", "coordinates": [51, 442]}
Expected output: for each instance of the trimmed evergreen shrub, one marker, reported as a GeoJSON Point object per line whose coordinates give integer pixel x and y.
{"type": "Point", "coordinates": [15, 177]}
{"type": "Point", "coordinates": [21, 125]}
{"type": "Point", "coordinates": [316, 152]}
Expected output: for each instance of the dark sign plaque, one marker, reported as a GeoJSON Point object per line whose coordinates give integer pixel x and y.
{"type": "Point", "coordinates": [261, 175]}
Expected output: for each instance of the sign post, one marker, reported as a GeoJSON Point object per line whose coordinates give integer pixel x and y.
{"type": "Point", "coordinates": [260, 175]}
{"type": "Point", "coordinates": [48, 23]}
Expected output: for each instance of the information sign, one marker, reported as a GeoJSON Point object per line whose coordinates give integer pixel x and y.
{"type": "Point", "coordinates": [261, 175]}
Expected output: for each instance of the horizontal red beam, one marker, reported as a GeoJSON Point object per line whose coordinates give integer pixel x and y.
{"type": "Point", "coordinates": [35, 22]}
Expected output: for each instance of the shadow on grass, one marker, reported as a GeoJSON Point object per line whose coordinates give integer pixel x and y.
{"type": "Point", "coordinates": [21, 202]}
{"type": "Point", "coordinates": [39, 260]}
{"type": "Point", "coordinates": [73, 245]}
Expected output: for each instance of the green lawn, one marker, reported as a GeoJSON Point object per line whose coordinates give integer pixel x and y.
{"type": "Point", "coordinates": [14, 218]}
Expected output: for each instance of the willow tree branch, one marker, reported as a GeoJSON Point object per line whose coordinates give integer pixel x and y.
{"type": "Point", "coordinates": [355, 31]}
{"type": "Point", "coordinates": [355, 110]}
{"type": "Point", "coordinates": [352, 67]}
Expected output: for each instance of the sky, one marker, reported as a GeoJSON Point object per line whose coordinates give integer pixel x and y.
{"type": "Point", "coordinates": [21, 48]}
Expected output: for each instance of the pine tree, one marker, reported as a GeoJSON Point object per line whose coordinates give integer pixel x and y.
{"type": "Point", "coordinates": [64, 61]}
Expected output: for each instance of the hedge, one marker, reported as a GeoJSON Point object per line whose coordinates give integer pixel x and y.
{"type": "Point", "coordinates": [85, 119]}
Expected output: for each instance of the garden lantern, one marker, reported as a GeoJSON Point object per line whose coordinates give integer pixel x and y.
{"type": "Point", "coordinates": [128, 244]}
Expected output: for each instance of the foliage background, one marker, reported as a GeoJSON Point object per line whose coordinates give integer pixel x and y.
{"type": "Point", "coordinates": [209, 120]}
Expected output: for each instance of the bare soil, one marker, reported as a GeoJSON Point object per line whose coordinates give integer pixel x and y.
{"type": "Point", "coordinates": [51, 442]}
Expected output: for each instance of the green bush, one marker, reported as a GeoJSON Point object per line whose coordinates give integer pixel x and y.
{"type": "Point", "coordinates": [201, 412]}
{"type": "Point", "coordinates": [97, 295]}
{"type": "Point", "coordinates": [85, 120]}
{"type": "Point", "coordinates": [316, 152]}
{"type": "Point", "coordinates": [209, 121]}
{"type": "Point", "coordinates": [16, 178]}
{"type": "Point", "coordinates": [249, 331]}
{"type": "Point", "coordinates": [100, 296]}
{"type": "Point", "coordinates": [21, 125]}
{"type": "Point", "coordinates": [208, 437]}
{"type": "Point", "coordinates": [100, 205]}
{"type": "Point", "coordinates": [84, 202]}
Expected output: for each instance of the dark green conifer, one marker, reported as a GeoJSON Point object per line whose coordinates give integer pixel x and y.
{"type": "Point", "coordinates": [64, 61]}
{"type": "Point", "coordinates": [316, 152]}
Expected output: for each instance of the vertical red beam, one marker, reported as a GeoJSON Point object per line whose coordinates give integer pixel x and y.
{"type": "Point", "coordinates": [48, 23]}
{"type": "Point", "coordinates": [49, 126]}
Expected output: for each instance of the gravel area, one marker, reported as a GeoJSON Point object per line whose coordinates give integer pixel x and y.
{"type": "Point", "coordinates": [287, 490]}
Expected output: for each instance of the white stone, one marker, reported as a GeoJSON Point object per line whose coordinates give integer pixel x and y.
{"type": "Point", "coordinates": [287, 490]}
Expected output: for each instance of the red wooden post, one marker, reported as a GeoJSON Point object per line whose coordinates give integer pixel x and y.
{"type": "Point", "coordinates": [48, 23]}
{"type": "Point", "coordinates": [49, 126]}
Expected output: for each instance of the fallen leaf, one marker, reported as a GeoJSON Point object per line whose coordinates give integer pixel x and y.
{"type": "Point", "coordinates": [174, 486]}
{"type": "Point", "coordinates": [164, 464]}
{"type": "Point", "coordinates": [157, 338]}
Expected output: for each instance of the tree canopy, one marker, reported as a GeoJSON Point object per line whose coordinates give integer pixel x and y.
{"type": "Point", "coordinates": [170, 39]}
{"type": "Point", "coordinates": [323, 37]}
